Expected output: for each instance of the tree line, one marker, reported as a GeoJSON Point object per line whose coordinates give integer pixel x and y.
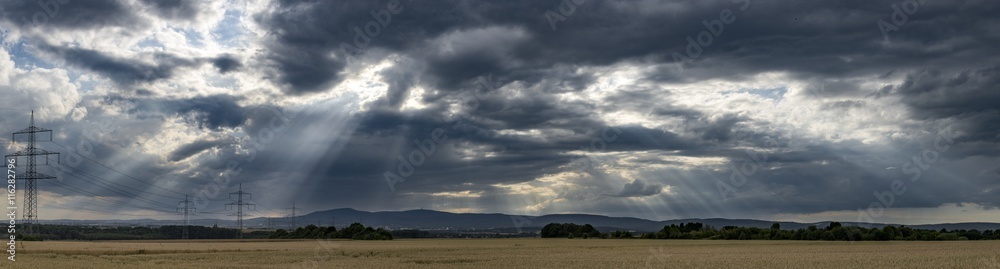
{"type": "Point", "coordinates": [572, 230]}
{"type": "Point", "coordinates": [355, 231]}
{"type": "Point", "coordinates": [69, 232]}
{"type": "Point", "coordinates": [835, 231]}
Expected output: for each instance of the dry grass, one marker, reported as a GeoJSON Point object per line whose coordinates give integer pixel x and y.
{"type": "Point", "coordinates": [507, 253]}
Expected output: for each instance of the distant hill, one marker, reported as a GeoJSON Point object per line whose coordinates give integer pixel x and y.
{"type": "Point", "coordinates": [437, 220]}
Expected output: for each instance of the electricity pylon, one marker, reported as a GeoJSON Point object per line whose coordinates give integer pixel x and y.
{"type": "Point", "coordinates": [293, 209]}
{"type": "Point", "coordinates": [184, 207]}
{"type": "Point", "coordinates": [30, 214]}
{"type": "Point", "coordinates": [239, 205]}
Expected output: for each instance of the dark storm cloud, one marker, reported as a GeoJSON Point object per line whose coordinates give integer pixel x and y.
{"type": "Point", "coordinates": [719, 129]}
{"type": "Point", "coordinates": [499, 112]}
{"type": "Point", "coordinates": [211, 112]}
{"type": "Point", "coordinates": [64, 14]}
{"type": "Point", "coordinates": [637, 188]}
{"type": "Point", "coordinates": [810, 39]}
{"type": "Point", "coordinates": [306, 33]}
{"type": "Point", "coordinates": [123, 71]}
{"type": "Point", "coordinates": [319, 31]}
{"type": "Point", "coordinates": [191, 149]}
{"type": "Point", "coordinates": [171, 9]}
{"type": "Point", "coordinates": [226, 64]}
{"type": "Point", "coordinates": [449, 46]}
{"type": "Point", "coordinates": [969, 97]}
{"type": "Point", "coordinates": [126, 71]}
{"type": "Point", "coordinates": [400, 79]}
{"type": "Point", "coordinates": [836, 39]}
{"type": "Point", "coordinates": [945, 51]}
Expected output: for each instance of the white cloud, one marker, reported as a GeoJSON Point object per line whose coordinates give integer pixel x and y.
{"type": "Point", "coordinates": [48, 91]}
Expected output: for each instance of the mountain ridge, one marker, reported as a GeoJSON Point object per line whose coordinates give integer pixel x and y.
{"type": "Point", "coordinates": [440, 220]}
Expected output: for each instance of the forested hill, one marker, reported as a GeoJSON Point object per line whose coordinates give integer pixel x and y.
{"type": "Point", "coordinates": [434, 220]}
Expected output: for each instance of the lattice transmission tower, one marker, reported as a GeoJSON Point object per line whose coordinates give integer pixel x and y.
{"type": "Point", "coordinates": [239, 205]}
{"type": "Point", "coordinates": [294, 219]}
{"type": "Point", "coordinates": [184, 207]}
{"type": "Point", "coordinates": [29, 215]}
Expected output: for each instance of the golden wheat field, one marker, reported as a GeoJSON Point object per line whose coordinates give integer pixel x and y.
{"type": "Point", "coordinates": [506, 253]}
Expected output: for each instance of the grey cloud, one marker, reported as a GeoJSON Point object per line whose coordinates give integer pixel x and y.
{"type": "Point", "coordinates": [947, 63]}
{"type": "Point", "coordinates": [969, 97]}
{"type": "Point", "coordinates": [171, 9]}
{"type": "Point", "coordinates": [123, 71]}
{"type": "Point", "coordinates": [226, 64]}
{"type": "Point", "coordinates": [637, 188]}
{"type": "Point", "coordinates": [191, 149]}
{"type": "Point", "coordinates": [211, 112]}
{"type": "Point", "coordinates": [63, 14]}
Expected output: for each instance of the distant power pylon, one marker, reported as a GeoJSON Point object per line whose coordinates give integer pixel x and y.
{"type": "Point", "coordinates": [30, 214]}
{"type": "Point", "coordinates": [184, 207]}
{"type": "Point", "coordinates": [239, 205]}
{"type": "Point", "coordinates": [293, 209]}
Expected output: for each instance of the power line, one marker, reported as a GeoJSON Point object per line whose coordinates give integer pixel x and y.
{"type": "Point", "coordinates": [265, 207]}
{"type": "Point", "coordinates": [107, 202]}
{"type": "Point", "coordinates": [119, 172]}
{"type": "Point", "coordinates": [239, 204]}
{"type": "Point", "coordinates": [113, 182]}
{"type": "Point", "coordinates": [104, 212]}
{"type": "Point", "coordinates": [120, 191]}
{"type": "Point", "coordinates": [99, 197]}
{"type": "Point", "coordinates": [114, 186]}
{"type": "Point", "coordinates": [30, 214]}
{"type": "Point", "coordinates": [258, 203]}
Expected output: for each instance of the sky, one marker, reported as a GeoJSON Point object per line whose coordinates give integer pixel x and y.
{"type": "Point", "coordinates": [879, 111]}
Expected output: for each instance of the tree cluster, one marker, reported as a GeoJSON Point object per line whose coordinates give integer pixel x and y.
{"type": "Point", "coordinates": [355, 231]}
{"type": "Point", "coordinates": [835, 231]}
{"type": "Point", "coordinates": [570, 230]}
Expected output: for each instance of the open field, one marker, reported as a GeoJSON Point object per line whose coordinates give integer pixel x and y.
{"type": "Point", "coordinates": [506, 253]}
